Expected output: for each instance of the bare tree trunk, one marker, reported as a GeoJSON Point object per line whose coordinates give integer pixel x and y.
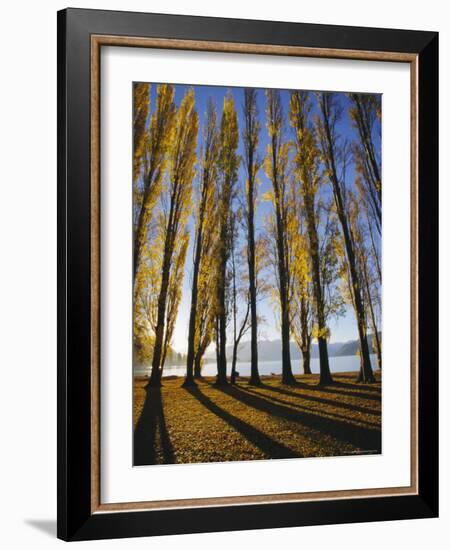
{"type": "Point", "coordinates": [325, 374]}
{"type": "Point", "coordinates": [234, 307]}
{"type": "Point", "coordinates": [233, 363]}
{"type": "Point", "coordinates": [141, 229]}
{"type": "Point", "coordinates": [221, 290]}
{"type": "Point", "coordinates": [287, 376]}
{"type": "Point", "coordinates": [251, 137]}
{"type": "Point", "coordinates": [306, 336]}
{"type": "Point", "coordinates": [198, 366]}
{"type": "Point", "coordinates": [217, 343]}
{"type": "Point", "coordinates": [226, 246]}
{"type": "Point", "coordinates": [208, 162]}
{"type": "Point", "coordinates": [376, 336]}
{"type": "Point", "coordinates": [254, 373]}
{"type": "Point", "coordinates": [222, 367]}
{"type": "Point", "coordinates": [306, 353]}
{"type": "Point", "coordinates": [374, 248]}
{"type": "Point", "coordinates": [222, 319]}
{"type": "Point", "coordinates": [286, 366]}
{"type": "Point", "coordinates": [228, 174]}
{"type": "Point", "coordinates": [189, 380]}
{"type": "Point", "coordinates": [155, 377]}
{"type": "Point", "coordinates": [367, 373]}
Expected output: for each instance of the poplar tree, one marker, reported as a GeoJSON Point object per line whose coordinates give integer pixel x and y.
{"type": "Point", "coordinates": [364, 114]}
{"type": "Point", "coordinates": [307, 173]}
{"type": "Point", "coordinates": [175, 211]}
{"type": "Point", "coordinates": [141, 109]}
{"type": "Point", "coordinates": [252, 164]}
{"type": "Point", "coordinates": [206, 302]}
{"type": "Point", "coordinates": [367, 273]}
{"type": "Point", "coordinates": [150, 153]}
{"type": "Point", "coordinates": [301, 290]}
{"type": "Point", "coordinates": [228, 164]}
{"type": "Point", "coordinates": [207, 286]}
{"type": "Point", "coordinates": [302, 314]}
{"type": "Point", "coordinates": [204, 218]}
{"type": "Point", "coordinates": [333, 153]}
{"type": "Point", "coordinates": [275, 165]}
{"type": "Point", "coordinates": [239, 293]}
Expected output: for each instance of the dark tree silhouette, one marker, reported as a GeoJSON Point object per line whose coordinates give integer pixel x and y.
{"type": "Point", "coordinates": [326, 126]}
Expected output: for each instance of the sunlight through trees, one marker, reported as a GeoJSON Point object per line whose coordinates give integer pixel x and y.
{"type": "Point", "coordinates": [252, 203]}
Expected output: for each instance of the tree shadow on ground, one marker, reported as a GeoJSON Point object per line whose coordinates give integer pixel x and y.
{"type": "Point", "coordinates": [361, 438]}
{"type": "Point", "coordinates": [272, 448]}
{"type": "Point", "coordinates": [357, 390]}
{"type": "Point", "coordinates": [323, 400]}
{"type": "Point", "coordinates": [299, 406]}
{"type": "Point", "coordinates": [373, 388]}
{"type": "Point", "coordinates": [152, 443]}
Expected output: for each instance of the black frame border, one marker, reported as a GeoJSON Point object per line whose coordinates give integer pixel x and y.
{"type": "Point", "coordinates": [75, 521]}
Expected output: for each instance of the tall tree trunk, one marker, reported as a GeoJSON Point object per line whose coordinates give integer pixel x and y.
{"type": "Point", "coordinates": [306, 354]}
{"type": "Point", "coordinates": [233, 363]}
{"type": "Point", "coordinates": [254, 373]}
{"type": "Point", "coordinates": [286, 366]}
{"type": "Point", "coordinates": [234, 291]}
{"type": "Point", "coordinates": [287, 376]}
{"type": "Point", "coordinates": [217, 342]}
{"type": "Point", "coordinates": [222, 318]}
{"type": "Point", "coordinates": [181, 172]}
{"type": "Point", "coordinates": [306, 335]}
{"type": "Point", "coordinates": [367, 373]}
{"type": "Point", "coordinates": [376, 336]}
{"type": "Point", "coordinates": [198, 366]}
{"type": "Point", "coordinates": [325, 374]}
{"type": "Point", "coordinates": [374, 248]}
{"type": "Point", "coordinates": [143, 220]}
{"type": "Point", "coordinates": [222, 294]}
{"type": "Point", "coordinates": [228, 175]}
{"type": "Point", "coordinates": [189, 380]}
{"type": "Point", "coordinates": [222, 366]}
{"type": "Point", "coordinates": [278, 161]}
{"type": "Point", "coordinates": [209, 161]}
{"type": "Point", "coordinates": [155, 377]}
{"type": "Point", "coordinates": [251, 139]}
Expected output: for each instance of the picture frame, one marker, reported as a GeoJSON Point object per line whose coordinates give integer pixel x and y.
{"type": "Point", "coordinates": [81, 35]}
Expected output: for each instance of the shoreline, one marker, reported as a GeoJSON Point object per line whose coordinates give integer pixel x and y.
{"type": "Point", "coordinates": [267, 377]}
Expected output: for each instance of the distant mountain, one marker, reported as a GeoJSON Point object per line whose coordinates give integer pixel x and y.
{"type": "Point", "coordinates": [270, 350]}
{"type": "Point", "coordinates": [352, 347]}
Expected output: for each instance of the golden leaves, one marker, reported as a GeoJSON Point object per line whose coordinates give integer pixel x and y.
{"type": "Point", "coordinates": [164, 240]}
{"type": "Point", "coordinates": [141, 108]}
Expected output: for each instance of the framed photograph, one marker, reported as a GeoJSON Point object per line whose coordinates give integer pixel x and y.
{"type": "Point", "coordinates": [247, 257]}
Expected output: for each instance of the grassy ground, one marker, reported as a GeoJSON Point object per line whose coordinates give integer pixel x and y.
{"type": "Point", "coordinates": [242, 422]}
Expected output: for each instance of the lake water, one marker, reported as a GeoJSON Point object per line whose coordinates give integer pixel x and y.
{"type": "Point", "coordinates": [347, 363]}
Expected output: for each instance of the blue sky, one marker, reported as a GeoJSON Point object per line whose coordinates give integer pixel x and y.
{"type": "Point", "coordinates": [343, 328]}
